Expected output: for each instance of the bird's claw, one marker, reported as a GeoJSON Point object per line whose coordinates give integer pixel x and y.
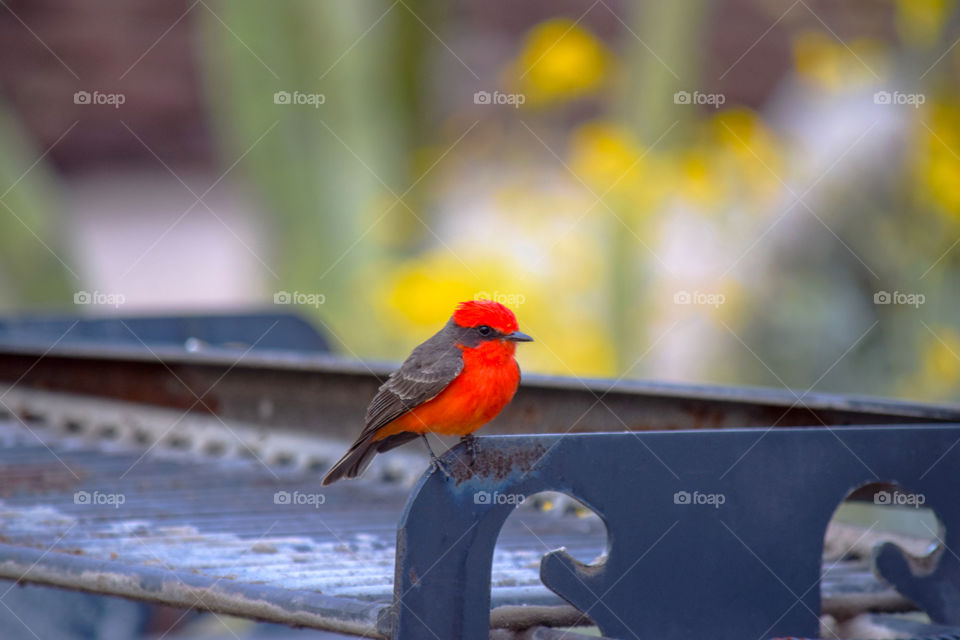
{"type": "Point", "coordinates": [434, 460]}
{"type": "Point", "coordinates": [436, 464]}
{"type": "Point", "coordinates": [473, 446]}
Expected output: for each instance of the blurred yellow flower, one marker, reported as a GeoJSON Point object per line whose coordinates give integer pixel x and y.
{"type": "Point", "coordinates": [942, 357]}
{"type": "Point", "coordinates": [831, 65]}
{"type": "Point", "coordinates": [570, 335]}
{"type": "Point", "coordinates": [611, 160]}
{"type": "Point", "coordinates": [921, 21]}
{"type": "Point", "coordinates": [701, 181]}
{"type": "Point", "coordinates": [735, 159]}
{"type": "Point", "coordinates": [425, 292]}
{"type": "Point", "coordinates": [937, 164]}
{"type": "Point", "coordinates": [733, 156]}
{"type": "Point", "coordinates": [751, 153]}
{"type": "Point", "coordinates": [605, 155]}
{"type": "Point", "coordinates": [938, 374]}
{"type": "Point", "coordinates": [560, 60]}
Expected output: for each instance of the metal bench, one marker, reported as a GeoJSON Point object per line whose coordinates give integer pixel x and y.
{"type": "Point", "coordinates": [191, 478]}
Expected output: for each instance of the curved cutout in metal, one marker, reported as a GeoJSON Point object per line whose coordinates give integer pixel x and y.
{"type": "Point", "coordinates": [711, 534]}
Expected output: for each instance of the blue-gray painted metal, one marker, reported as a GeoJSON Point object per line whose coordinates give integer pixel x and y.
{"type": "Point", "coordinates": [247, 331]}
{"type": "Point", "coordinates": [710, 534]}
{"type": "Point", "coordinates": [933, 582]}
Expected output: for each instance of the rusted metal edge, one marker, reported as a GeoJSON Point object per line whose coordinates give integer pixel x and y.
{"type": "Point", "coordinates": [323, 363]}
{"type": "Point", "coordinates": [152, 584]}
{"type": "Point", "coordinates": [327, 394]}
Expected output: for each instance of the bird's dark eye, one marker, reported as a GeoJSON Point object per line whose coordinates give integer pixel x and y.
{"type": "Point", "coordinates": [484, 330]}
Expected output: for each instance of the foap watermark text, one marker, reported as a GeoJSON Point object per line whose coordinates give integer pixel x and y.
{"type": "Point", "coordinates": [899, 297]}
{"type": "Point", "coordinates": [99, 298]}
{"type": "Point", "coordinates": [714, 100]}
{"type": "Point", "coordinates": [99, 498]}
{"type": "Point", "coordinates": [497, 97]}
{"type": "Point", "coordinates": [509, 299]}
{"type": "Point", "coordinates": [899, 499]}
{"type": "Point", "coordinates": [299, 297]}
{"type": "Point", "coordinates": [485, 497]}
{"type": "Point", "coordinates": [299, 498]}
{"type": "Point", "coordinates": [697, 498]}
{"type": "Point", "coordinates": [298, 97]}
{"type": "Point", "coordinates": [899, 98]}
{"type": "Point", "coordinates": [699, 298]}
{"type": "Point", "coordinates": [99, 98]}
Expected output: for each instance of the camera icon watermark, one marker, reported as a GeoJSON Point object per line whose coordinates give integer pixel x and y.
{"type": "Point", "coordinates": [98, 498]}
{"type": "Point", "coordinates": [99, 98]}
{"type": "Point", "coordinates": [297, 297]}
{"type": "Point", "coordinates": [899, 499]}
{"type": "Point", "coordinates": [899, 298]}
{"type": "Point", "coordinates": [715, 100]}
{"type": "Point", "coordinates": [697, 498]}
{"type": "Point", "coordinates": [485, 497]}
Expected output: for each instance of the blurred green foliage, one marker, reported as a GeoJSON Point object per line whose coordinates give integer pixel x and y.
{"type": "Point", "coordinates": [32, 233]}
{"type": "Point", "coordinates": [591, 205]}
{"type": "Point", "coordinates": [324, 176]}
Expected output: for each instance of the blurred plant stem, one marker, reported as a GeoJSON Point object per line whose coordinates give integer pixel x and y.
{"type": "Point", "coordinates": [30, 272]}
{"type": "Point", "coordinates": [325, 173]}
{"type": "Point", "coordinates": [627, 298]}
{"type": "Point", "coordinates": [666, 61]}
{"type": "Point", "coordinates": [661, 50]}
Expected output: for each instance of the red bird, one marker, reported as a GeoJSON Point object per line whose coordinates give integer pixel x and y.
{"type": "Point", "coordinates": [452, 384]}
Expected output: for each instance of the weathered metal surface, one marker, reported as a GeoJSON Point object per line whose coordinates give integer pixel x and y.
{"type": "Point", "coordinates": [207, 533]}
{"type": "Point", "coordinates": [254, 331]}
{"type": "Point", "coordinates": [886, 626]}
{"type": "Point", "coordinates": [228, 535]}
{"type": "Point", "coordinates": [710, 534]}
{"type": "Point", "coordinates": [319, 393]}
{"type": "Point", "coordinates": [167, 586]}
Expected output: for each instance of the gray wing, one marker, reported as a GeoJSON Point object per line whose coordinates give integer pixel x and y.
{"type": "Point", "coordinates": [429, 369]}
{"type": "Point", "coordinates": [422, 376]}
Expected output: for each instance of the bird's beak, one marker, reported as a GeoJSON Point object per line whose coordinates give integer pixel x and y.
{"type": "Point", "coordinates": [517, 336]}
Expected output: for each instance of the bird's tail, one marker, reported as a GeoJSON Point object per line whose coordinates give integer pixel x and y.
{"type": "Point", "coordinates": [356, 460]}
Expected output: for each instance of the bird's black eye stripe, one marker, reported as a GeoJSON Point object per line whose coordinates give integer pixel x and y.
{"type": "Point", "coordinates": [484, 330]}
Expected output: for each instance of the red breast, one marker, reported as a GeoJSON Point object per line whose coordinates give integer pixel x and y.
{"type": "Point", "coordinates": [486, 385]}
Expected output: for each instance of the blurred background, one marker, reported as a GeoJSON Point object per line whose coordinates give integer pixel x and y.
{"type": "Point", "coordinates": [740, 191]}
{"type": "Point", "coordinates": [746, 192]}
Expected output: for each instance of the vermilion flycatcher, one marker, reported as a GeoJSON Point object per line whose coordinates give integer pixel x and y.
{"type": "Point", "coordinates": [452, 384]}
